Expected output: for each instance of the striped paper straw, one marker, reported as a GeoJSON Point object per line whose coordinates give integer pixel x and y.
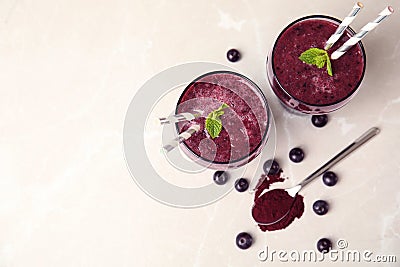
{"type": "Point", "coordinates": [364, 31]}
{"type": "Point", "coordinates": [181, 137]}
{"type": "Point", "coordinates": [343, 26]}
{"type": "Point", "coordinates": [186, 116]}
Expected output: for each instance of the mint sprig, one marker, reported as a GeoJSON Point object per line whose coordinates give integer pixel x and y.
{"type": "Point", "coordinates": [317, 57]}
{"type": "Point", "coordinates": [213, 121]}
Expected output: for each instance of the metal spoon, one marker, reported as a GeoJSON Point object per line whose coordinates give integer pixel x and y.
{"type": "Point", "coordinates": [293, 191]}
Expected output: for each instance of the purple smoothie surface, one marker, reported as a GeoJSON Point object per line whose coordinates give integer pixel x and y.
{"type": "Point", "coordinates": [308, 83]}
{"type": "Point", "coordinates": [244, 123]}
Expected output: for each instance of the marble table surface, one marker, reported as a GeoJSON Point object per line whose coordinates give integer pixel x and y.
{"type": "Point", "coordinates": [69, 70]}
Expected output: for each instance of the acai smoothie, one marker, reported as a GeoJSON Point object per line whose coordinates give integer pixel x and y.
{"type": "Point", "coordinates": [304, 87]}
{"type": "Point", "coordinates": [244, 120]}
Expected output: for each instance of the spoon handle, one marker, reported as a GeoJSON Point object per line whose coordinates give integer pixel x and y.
{"type": "Point", "coordinates": [342, 154]}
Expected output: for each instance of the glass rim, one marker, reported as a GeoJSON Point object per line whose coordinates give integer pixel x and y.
{"type": "Point", "coordinates": [268, 113]}
{"type": "Point", "coordinates": [326, 17]}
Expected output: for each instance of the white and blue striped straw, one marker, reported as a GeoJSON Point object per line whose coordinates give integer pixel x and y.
{"type": "Point", "coordinates": [362, 33]}
{"type": "Point", "coordinates": [186, 116]}
{"type": "Point", "coordinates": [343, 26]}
{"type": "Point", "coordinates": [181, 137]}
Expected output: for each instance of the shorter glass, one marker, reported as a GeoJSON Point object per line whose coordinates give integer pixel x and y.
{"type": "Point", "coordinates": [304, 88]}
{"type": "Point", "coordinates": [245, 122]}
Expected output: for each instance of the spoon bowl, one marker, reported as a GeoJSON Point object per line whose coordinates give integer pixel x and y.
{"type": "Point", "coordinates": [292, 192]}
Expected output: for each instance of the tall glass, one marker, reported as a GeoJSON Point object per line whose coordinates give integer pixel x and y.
{"type": "Point", "coordinates": [304, 88]}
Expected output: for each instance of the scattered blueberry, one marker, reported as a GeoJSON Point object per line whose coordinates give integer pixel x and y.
{"type": "Point", "coordinates": [319, 120]}
{"type": "Point", "coordinates": [244, 240]}
{"type": "Point", "coordinates": [271, 167]}
{"type": "Point", "coordinates": [220, 177]}
{"type": "Point", "coordinates": [324, 245]}
{"type": "Point", "coordinates": [296, 154]}
{"type": "Point", "coordinates": [329, 178]}
{"type": "Point", "coordinates": [233, 55]}
{"type": "Point", "coordinates": [320, 207]}
{"type": "Point", "coordinates": [241, 185]}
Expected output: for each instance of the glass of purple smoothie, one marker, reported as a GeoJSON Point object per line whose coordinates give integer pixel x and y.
{"type": "Point", "coordinates": [245, 122]}
{"type": "Point", "coordinates": [304, 88]}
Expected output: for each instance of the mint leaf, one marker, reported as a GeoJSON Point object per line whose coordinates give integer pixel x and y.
{"type": "Point", "coordinates": [329, 66]}
{"type": "Point", "coordinates": [218, 113]}
{"type": "Point", "coordinates": [213, 127]}
{"type": "Point", "coordinates": [317, 57]}
{"type": "Point", "coordinates": [213, 122]}
{"type": "Point", "coordinates": [311, 54]}
{"type": "Point", "coordinates": [223, 106]}
{"type": "Point", "coordinates": [320, 61]}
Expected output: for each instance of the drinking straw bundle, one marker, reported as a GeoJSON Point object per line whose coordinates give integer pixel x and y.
{"type": "Point", "coordinates": [181, 137]}
{"type": "Point", "coordinates": [358, 36]}
{"type": "Point", "coordinates": [343, 26]}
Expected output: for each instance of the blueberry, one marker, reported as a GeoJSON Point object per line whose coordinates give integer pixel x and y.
{"type": "Point", "coordinates": [244, 240]}
{"type": "Point", "coordinates": [319, 120]}
{"type": "Point", "coordinates": [320, 207]}
{"type": "Point", "coordinates": [241, 184]}
{"type": "Point", "coordinates": [220, 177]}
{"type": "Point", "coordinates": [271, 167]}
{"type": "Point", "coordinates": [233, 55]}
{"type": "Point", "coordinates": [329, 178]}
{"type": "Point", "coordinates": [324, 245]}
{"type": "Point", "coordinates": [296, 154]}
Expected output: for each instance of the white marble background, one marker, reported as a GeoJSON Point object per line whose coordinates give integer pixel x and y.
{"type": "Point", "coordinates": [68, 71]}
